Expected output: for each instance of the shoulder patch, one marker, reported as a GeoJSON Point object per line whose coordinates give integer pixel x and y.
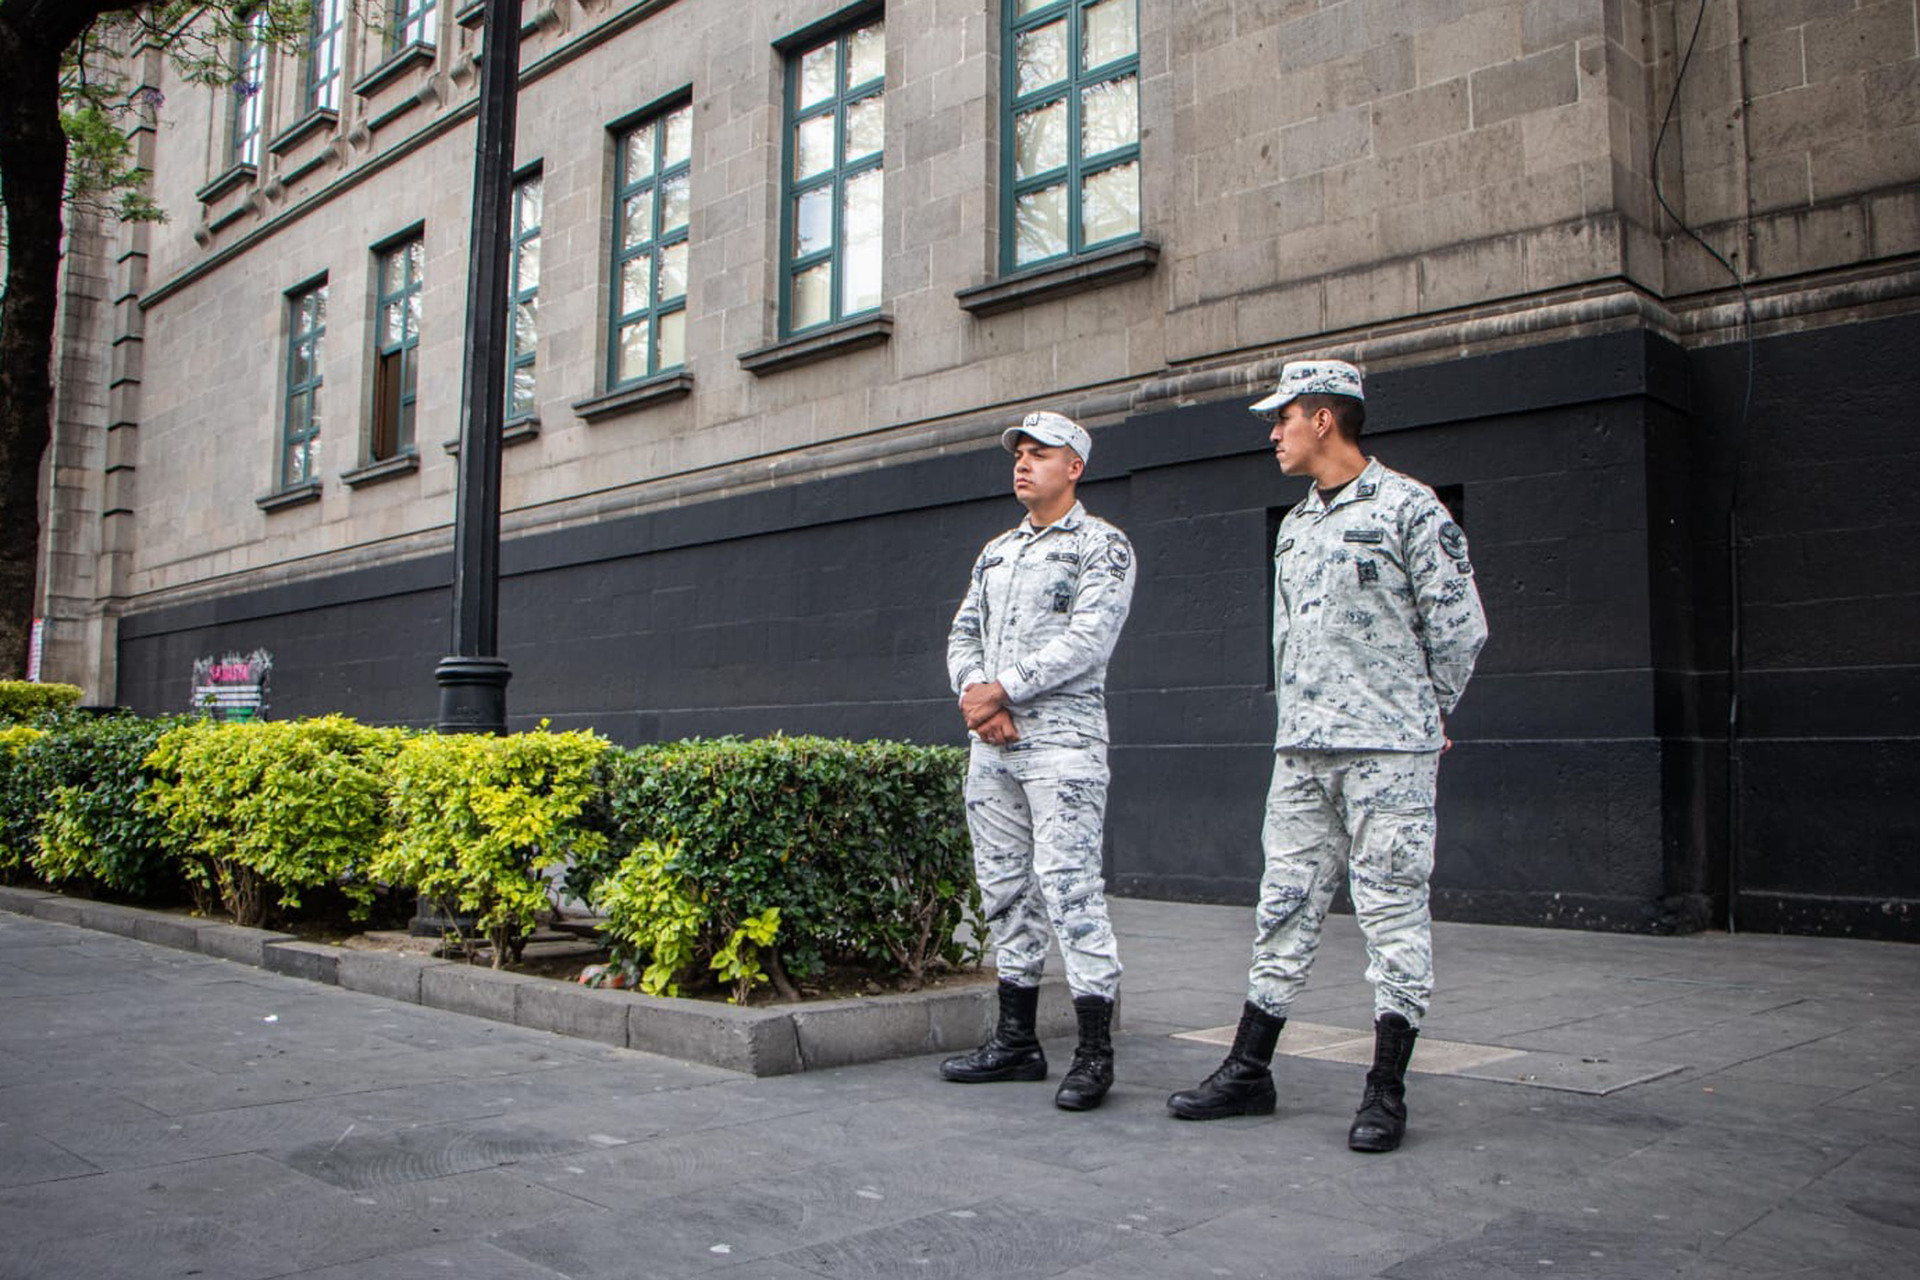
{"type": "Point", "coordinates": [1119, 553]}
{"type": "Point", "coordinates": [1453, 541]}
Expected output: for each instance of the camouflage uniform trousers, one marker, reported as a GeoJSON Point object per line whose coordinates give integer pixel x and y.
{"type": "Point", "coordinates": [1035, 812]}
{"type": "Point", "coordinates": [1365, 815]}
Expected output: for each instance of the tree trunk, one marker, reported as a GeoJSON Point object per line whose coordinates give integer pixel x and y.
{"type": "Point", "coordinates": [33, 165]}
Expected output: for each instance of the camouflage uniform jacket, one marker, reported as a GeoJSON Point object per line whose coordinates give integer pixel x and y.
{"type": "Point", "coordinates": [1376, 621]}
{"type": "Point", "coordinates": [1041, 615]}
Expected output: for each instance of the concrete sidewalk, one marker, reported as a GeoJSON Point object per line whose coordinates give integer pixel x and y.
{"type": "Point", "coordinates": [1586, 1105]}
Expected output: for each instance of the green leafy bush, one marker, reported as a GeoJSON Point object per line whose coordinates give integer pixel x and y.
{"type": "Point", "coordinates": [270, 808]}
{"type": "Point", "coordinates": [477, 821]}
{"type": "Point", "coordinates": [25, 699]}
{"type": "Point", "coordinates": [862, 847]}
{"type": "Point", "coordinates": [19, 801]}
{"type": "Point", "coordinates": [657, 925]}
{"type": "Point", "coordinates": [96, 830]}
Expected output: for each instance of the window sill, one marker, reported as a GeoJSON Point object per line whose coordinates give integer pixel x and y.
{"type": "Point", "coordinates": [374, 472]}
{"type": "Point", "coordinates": [238, 175]}
{"type": "Point", "coordinates": [1094, 270]}
{"type": "Point", "coordinates": [472, 14]}
{"type": "Point", "coordinates": [315, 121]}
{"type": "Point", "coordinates": [400, 62]}
{"type": "Point", "coordinates": [818, 344]}
{"type": "Point", "coordinates": [298, 496]}
{"type": "Point", "coordinates": [655, 390]}
{"type": "Point", "coordinates": [510, 433]}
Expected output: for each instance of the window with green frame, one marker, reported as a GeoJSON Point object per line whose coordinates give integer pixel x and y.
{"type": "Point", "coordinates": [1071, 172]}
{"type": "Point", "coordinates": [835, 183]}
{"type": "Point", "coordinates": [249, 79]}
{"type": "Point", "coordinates": [652, 198]}
{"type": "Point", "coordinates": [524, 338]}
{"type": "Point", "coordinates": [396, 348]}
{"type": "Point", "coordinates": [325, 32]}
{"type": "Point", "coordinates": [412, 23]}
{"type": "Point", "coordinates": [300, 424]}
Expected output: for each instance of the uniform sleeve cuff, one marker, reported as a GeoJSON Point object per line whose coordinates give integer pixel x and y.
{"type": "Point", "coordinates": [1015, 687]}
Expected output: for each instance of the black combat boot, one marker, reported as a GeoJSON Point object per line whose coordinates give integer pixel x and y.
{"type": "Point", "coordinates": [1012, 1052]}
{"type": "Point", "coordinates": [1382, 1119]}
{"type": "Point", "coordinates": [1243, 1085]}
{"type": "Point", "coordinates": [1091, 1074]}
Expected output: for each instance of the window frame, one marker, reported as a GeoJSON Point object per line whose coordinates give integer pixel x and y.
{"type": "Point", "coordinates": [520, 238]}
{"type": "Point", "coordinates": [1078, 167]}
{"type": "Point", "coordinates": [403, 425]}
{"type": "Point", "coordinates": [326, 30]}
{"type": "Point", "coordinates": [835, 176]}
{"type": "Point", "coordinates": [299, 333]}
{"type": "Point", "coordinates": [656, 117]}
{"type": "Point", "coordinates": [245, 113]}
{"type": "Point", "coordinates": [414, 22]}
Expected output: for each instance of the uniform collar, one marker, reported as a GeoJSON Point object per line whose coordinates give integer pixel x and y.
{"type": "Point", "coordinates": [1066, 523]}
{"type": "Point", "coordinates": [1362, 488]}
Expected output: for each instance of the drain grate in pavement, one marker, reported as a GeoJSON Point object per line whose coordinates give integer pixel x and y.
{"type": "Point", "coordinates": [1564, 1071]}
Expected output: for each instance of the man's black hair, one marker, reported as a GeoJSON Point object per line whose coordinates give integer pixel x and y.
{"type": "Point", "coordinates": [1349, 414]}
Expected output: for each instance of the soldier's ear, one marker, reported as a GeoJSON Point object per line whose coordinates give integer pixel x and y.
{"type": "Point", "coordinates": [1075, 465]}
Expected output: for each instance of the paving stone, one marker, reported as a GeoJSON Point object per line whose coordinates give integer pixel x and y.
{"type": "Point", "coordinates": [153, 1120]}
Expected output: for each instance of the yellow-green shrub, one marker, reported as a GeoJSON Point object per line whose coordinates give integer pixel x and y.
{"type": "Point", "coordinates": [475, 821]}
{"type": "Point", "coordinates": [25, 699]}
{"type": "Point", "coordinates": [656, 923]}
{"type": "Point", "coordinates": [19, 801]}
{"type": "Point", "coordinates": [272, 807]}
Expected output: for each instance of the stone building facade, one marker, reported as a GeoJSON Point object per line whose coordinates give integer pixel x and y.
{"type": "Point", "coordinates": [1634, 283]}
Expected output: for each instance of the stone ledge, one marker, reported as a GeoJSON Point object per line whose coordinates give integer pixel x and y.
{"type": "Point", "coordinates": [379, 973]}
{"type": "Point", "coordinates": [239, 944]}
{"type": "Point", "coordinates": [766, 1040]}
{"type": "Point", "coordinates": [1094, 270]}
{"type": "Point", "coordinates": [20, 900]}
{"type": "Point", "coordinates": [313, 961]}
{"type": "Point", "coordinates": [471, 989]}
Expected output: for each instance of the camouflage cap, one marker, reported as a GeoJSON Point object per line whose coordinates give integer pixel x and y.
{"type": "Point", "coordinates": [1050, 428]}
{"type": "Point", "coordinates": [1310, 378]}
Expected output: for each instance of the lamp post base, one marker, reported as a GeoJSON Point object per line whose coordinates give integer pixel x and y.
{"type": "Point", "coordinates": [473, 695]}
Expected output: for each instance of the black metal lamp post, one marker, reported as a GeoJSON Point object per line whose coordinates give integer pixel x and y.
{"type": "Point", "coordinates": [473, 680]}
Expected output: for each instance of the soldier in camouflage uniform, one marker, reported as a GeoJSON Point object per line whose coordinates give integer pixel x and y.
{"type": "Point", "coordinates": [1028, 656]}
{"type": "Point", "coordinates": [1376, 626]}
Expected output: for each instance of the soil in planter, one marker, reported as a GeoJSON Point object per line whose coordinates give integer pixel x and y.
{"type": "Point", "coordinates": [561, 955]}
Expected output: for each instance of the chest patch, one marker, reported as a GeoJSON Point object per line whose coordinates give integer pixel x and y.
{"type": "Point", "coordinates": [1369, 570]}
{"type": "Point", "coordinates": [1371, 536]}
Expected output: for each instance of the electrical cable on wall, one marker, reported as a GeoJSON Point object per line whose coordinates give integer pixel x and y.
{"type": "Point", "coordinates": [1735, 655]}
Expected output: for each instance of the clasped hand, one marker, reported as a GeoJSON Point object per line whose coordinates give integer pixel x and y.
{"type": "Point", "coordinates": [985, 708]}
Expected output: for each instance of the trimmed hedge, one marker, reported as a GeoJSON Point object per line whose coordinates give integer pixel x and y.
{"type": "Point", "coordinates": [19, 802]}
{"type": "Point", "coordinates": [269, 808]}
{"type": "Point", "coordinates": [862, 847]}
{"type": "Point", "coordinates": [25, 699]}
{"type": "Point", "coordinates": [728, 861]}
{"type": "Point", "coordinates": [477, 821]}
{"type": "Point", "coordinates": [96, 829]}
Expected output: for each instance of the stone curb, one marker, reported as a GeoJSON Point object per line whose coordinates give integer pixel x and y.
{"type": "Point", "coordinates": [760, 1041]}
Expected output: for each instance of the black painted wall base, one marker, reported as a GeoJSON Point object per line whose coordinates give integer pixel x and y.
{"type": "Point", "coordinates": [1588, 785]}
